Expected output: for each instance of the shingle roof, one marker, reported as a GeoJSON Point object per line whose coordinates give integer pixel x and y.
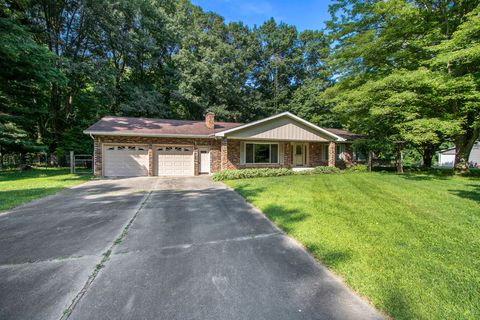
{"type": "Point", "coordinates": [142, 126]}
{"type": "Point", "coordinates": [345, 134]}
{"type": "Point", "coordinates": [152, 127]}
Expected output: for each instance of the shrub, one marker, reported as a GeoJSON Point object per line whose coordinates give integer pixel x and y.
{"type": "Point", "coordinates": [325, 169]}
{"type": "Point", "coordinates": [358, 168]}
{"type": "Point", "coordinates": [251, 173]}
{"type": "Point", "coordinates": [268, 172]}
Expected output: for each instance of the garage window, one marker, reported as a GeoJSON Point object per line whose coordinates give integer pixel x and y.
{"type": "Point", "coordinates": [261, 153]}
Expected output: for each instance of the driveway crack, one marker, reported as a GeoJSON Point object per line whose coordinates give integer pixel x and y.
{"type": "Point", "coordinates": [105, 257]}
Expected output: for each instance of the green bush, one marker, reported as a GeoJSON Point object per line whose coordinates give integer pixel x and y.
{"type": "Point", "coordinates": [358, 168]}
{"type": "Point", "coordinates": [325, 169]}
{"type": "Point", "coordinates": [268, 172]}
{"type": "Point", "coordinates": [251, 173]}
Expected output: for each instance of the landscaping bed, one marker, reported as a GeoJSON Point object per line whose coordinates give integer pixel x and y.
{"type": "Point", "coordinates": [268, 172]}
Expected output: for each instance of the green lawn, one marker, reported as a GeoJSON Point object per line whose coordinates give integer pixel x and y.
{"type": "Point", "coordinates": [410, 244]}
{"type": "Point", "coordinates": [18, 187]}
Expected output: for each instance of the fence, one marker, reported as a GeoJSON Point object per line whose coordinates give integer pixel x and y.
{"type": "Point", "coordinates": [80, 163]}
{"type": "Point", "coordinates": [17, 160]}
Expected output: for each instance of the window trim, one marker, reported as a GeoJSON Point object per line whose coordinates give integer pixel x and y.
{"type": "Point", "coordinates": [339, 155]}
{"type": "Point", "coordinates": [325, 152]}
{"type": "Point", "coordinates": [269, 148]}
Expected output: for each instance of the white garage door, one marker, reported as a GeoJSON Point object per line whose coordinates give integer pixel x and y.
{"type": "Point", "coordinates": [125, 161]}
{"type": "Point", "coordinates": [174, 161]}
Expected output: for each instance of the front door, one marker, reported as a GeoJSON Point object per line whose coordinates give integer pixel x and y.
{"type": "Point", "coordinates": [204, 163]}
{"type": "Point", "coordinates": [298, 154]}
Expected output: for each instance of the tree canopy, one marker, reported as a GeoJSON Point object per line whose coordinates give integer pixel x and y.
{"type": "Point", "coordinates": [406, 72]}
{"type": "Point", "coordinates": [392, 70]}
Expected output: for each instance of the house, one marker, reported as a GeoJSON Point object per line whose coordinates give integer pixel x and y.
{"type": "Point", "coordinates": [446, 158]}
{"type": "Point", "coordinates": [158, 147]}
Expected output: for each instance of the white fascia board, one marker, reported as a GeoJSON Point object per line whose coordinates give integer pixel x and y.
{"type": "Point", "coordinates": [135, 134]}
{"type": "Point", "coordinates": [283, 114]}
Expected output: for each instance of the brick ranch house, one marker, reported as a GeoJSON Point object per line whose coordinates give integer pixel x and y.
{"type": "Point", "coordinates": [158, 147]}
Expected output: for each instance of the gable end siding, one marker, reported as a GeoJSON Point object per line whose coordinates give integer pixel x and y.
{"type": "Point", "coordinates": [280, 129]}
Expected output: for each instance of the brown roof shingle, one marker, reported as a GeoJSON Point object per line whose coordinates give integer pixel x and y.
{"type": "Point", "coordinates": [345, 134]}
{"type": "Point", "coordinates": [147, 126]}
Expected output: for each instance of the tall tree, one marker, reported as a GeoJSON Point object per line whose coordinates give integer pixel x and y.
{"type": "Point", "coordinates": [27, 74]}
{"type": "Point", "coordinates": [380, 44]}
{"type": "Point", "coordinates": [459, 59]}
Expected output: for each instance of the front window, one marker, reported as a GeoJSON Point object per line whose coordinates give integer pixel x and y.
{"type": "Point", "coordinates": [325, 152]}
{"type": "Point", "coordinates": [261, 153]}
{"type": "Point", "coordinates": [340, 148]}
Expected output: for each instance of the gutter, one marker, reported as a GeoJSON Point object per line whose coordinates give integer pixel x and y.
{"type": "Point", "coordinates": [153, 135]}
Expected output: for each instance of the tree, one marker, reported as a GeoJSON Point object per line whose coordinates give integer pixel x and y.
{"type": "Point", "coordinates": [411, 106]}
{"type": "Point", "coordinates": [385, 83]}
{"type": "Point", "coordinates": [26, 76]}
{"type": "Point", "coordinates": [459, 59]}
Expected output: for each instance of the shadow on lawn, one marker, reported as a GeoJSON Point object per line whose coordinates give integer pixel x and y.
{"type": "Point", "coordinates": [285, 218]}
{"type": "Point", "coordinates": [424, 176]}
{"type": "Point", "coordinates": [397, 304]}
{"type": "Point", "coordinates": [331, 258]}
{"type": "Point", "coordinates": [248, 192]}
{"type": "Point", "coordinates": [473, 194]}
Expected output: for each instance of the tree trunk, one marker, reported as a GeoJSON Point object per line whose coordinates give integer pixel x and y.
{"type": "Point", "coordinates": [428, 152]}
{"type": "Point", "coordinates": [399, 160]}
{"type": "Point", "coordinates": [370, 160]}
{"type": "Point", "coordinates": [463, 147]}
{"type": "Point", "coordinates": [462, 152]}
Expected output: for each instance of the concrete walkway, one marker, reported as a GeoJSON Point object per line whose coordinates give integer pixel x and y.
{"type": "Point", "coordinates": [158, 248]}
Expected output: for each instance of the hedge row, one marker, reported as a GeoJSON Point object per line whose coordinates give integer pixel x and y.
{"type": "Point", "coordinates": [268, 172]}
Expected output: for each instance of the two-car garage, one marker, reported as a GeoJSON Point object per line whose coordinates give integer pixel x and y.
{"type": "Point", "coordinates": [133, 160]}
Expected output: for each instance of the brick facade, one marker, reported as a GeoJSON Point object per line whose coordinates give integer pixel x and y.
{"type": "Point", "coordinates": [224, 153]}
{"type": "Point", "coordinates": [316, 156]}
{"type": "Point", "coordinates": [332, 154]}
{"type": "Point", "coordinates": [213, 144]}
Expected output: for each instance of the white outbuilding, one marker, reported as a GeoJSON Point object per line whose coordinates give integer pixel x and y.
{"type": "Point", "coordinates": [446, 158]}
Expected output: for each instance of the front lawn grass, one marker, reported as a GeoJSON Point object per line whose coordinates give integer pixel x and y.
{"type": "Point", "coordinates": [17, 187]}
{"type": "Point", "coordinates": [409, 243]}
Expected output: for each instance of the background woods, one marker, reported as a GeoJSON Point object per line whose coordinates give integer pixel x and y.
{"type": "Point", "coordinates": [391, 70]}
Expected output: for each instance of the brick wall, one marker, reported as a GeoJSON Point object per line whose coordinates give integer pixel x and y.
{"type": "Point", "coordinates": [316, 155]}
{"type": "Point", "coordinates": [224, 154]}
{"type": "Point", "coordinates": [213, 144]}
{"type": "Point", "coordinates": [287, 154]}
{"type": "Point", "coordinates": [332, 154]}
{"type": "Point", "coordinates": [230, 154]}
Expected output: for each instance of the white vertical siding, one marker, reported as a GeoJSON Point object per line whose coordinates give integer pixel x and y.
{"type": "Point", "coordinates": [475, 154]}
{"type": "Point", "coordinates": [280, 129]}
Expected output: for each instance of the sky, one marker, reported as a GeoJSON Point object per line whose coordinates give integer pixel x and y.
{"type": "Point", "coordinates": [304, 14]}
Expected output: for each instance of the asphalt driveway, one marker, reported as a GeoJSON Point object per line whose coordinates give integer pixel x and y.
{"type": "Point", "coordinates": [157, 248]}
